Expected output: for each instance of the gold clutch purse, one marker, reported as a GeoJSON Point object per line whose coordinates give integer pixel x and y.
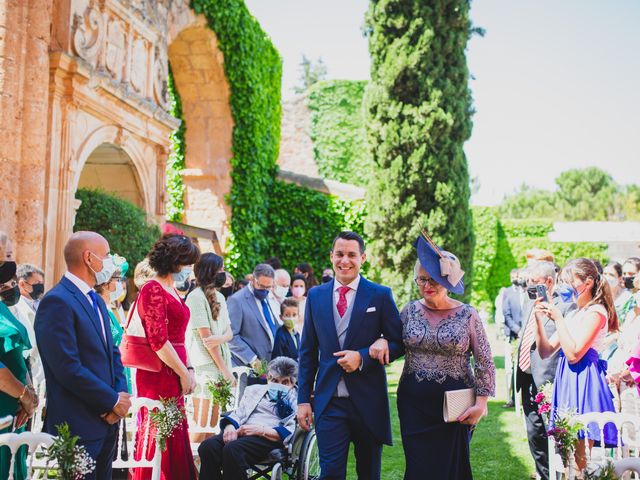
{"type": "Point", "coordinates": [456, 402]}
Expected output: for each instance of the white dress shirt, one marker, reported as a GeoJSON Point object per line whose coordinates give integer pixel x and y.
{"type": "Point", "coordinates": [85, 289]}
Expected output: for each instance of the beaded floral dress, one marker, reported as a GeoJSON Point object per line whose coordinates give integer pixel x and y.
{"type": "Point", "coordinates": [439, 345]}
{"type": "Point", "coordinates": [164, 318]}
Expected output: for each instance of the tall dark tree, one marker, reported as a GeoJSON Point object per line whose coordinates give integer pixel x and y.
{"type": "Point", "coordinates": [419, 109]}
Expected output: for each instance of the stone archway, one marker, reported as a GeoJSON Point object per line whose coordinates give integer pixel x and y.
{"type": "Point", "coordinates": [198, 70]}
{"type": "Point", "coordinates": [111, 169]}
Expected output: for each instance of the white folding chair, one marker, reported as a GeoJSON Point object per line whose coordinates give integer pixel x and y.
{"type": "Point", "coordinates": [33, 441]}
{"type": "Point", "coordinates": [129, 461]}
{"type": "Point", "coordinates": [624, 465]}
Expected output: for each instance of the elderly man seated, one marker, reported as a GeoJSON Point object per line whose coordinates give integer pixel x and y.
{"type": "Point", "coordinates": [264, 421]}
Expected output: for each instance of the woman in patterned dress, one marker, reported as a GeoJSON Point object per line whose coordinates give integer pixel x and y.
{"type": "Point", "coordinates": [440, 335]}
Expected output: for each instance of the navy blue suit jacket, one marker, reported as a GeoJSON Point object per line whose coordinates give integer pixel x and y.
{"type": "Point", "coordinates": [83, 373]}
{"type": "Point", "coordinates": [284, 346]}
{"type": "Point", "coordinates": [374, 314]}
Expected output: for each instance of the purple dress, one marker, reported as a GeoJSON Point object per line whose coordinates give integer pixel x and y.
{"type": "Point", "coordinates": [582, 386]}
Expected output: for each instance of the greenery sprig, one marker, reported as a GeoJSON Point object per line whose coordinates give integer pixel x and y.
{"type": "Point", "coordinates": [72, 460]}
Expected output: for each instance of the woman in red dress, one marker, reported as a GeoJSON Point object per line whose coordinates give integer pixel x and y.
{"type": "Point", "coordinates": [165, 316]}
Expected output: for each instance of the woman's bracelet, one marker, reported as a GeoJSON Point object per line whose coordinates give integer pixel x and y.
{"type": "Point", "coordinates": [26, 387]}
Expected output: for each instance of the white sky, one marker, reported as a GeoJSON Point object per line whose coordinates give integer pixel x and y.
{"type": "Point", "coordinates": [556, 84]}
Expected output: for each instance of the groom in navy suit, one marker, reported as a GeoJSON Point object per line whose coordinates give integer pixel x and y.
{"type": "Point", "coordinates": [86, 387]}
{"type": "Point", "coordinates": [343, 318]}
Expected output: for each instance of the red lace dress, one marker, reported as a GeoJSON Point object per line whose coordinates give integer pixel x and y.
{"type": "Point", "coordinates": [164, 318]}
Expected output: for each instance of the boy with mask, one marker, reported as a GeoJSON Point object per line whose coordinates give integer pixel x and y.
{"type": "Point", "coordinates": [287, 341]}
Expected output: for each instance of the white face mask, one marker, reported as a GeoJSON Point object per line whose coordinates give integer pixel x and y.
{"type": "Point", "coordinates": [115, 295]}
{"type": "Point", "coordinates": [281, 292]}
{"type": "Point", "coordinates": [297, 292]}
{"type": "Point", "coordinates": [108, 269]}
{"type": "Point", "coordinates": [613, 282]}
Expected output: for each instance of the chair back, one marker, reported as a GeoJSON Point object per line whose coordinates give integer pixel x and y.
{"type": "Point", "coordinates": [35, 442]}
{"type": "Point", "coordinates": [624, 465]}
{"type": "Point", "coordinates": [126, 439]}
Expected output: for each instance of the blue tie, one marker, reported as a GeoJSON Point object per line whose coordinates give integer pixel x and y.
{"type": "Point", "coordinates": [94, 302]}
{"type": "Point", "coordinates": [267, 316]}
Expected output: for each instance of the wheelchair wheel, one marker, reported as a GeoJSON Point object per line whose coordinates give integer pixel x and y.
{"type": "Point", "coordinates": [309, 460]}
{"type": "Point", "coordinates": [276, 472]}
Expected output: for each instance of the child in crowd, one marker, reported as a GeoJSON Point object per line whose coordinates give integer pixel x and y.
{"type": "Point", "coordinates": [287, 341]}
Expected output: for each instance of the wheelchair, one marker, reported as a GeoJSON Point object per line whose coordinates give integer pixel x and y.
{"type": "Point", "coordinates": [299, 460]}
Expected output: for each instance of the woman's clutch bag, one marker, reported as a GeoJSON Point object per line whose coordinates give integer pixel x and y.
{"type": "Point", "coordinates": [456, 402]}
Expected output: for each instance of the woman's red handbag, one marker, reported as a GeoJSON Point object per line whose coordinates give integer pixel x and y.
{"type": "Point", "coordinates": [135, 351]}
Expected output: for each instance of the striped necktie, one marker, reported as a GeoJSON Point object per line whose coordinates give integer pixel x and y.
{"type": "Point", "coordinates": [529, 337]}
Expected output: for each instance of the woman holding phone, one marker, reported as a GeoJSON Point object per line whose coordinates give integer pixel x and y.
{"type": "Point", "coordinates": [580, 383]}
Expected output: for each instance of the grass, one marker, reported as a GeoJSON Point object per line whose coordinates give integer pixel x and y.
{"type": "Point", "coordinates": [499, 448]}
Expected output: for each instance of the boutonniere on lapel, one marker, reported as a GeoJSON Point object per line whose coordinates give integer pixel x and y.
{"type": "Point", "coordinates": [278, 395]}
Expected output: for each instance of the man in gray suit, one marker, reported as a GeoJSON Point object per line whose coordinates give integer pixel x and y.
{"type": "Point", "coordinates": [254, 320]}
{"type": "Point", "coordinates": [532, 370]}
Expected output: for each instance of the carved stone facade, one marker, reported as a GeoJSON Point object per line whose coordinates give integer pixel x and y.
{"type": "Point", "coordinates": [82, 75]}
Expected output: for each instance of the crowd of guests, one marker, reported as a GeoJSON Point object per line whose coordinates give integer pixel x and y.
{"type": "Point", "coordinates": [577, 327]}
{"type": "Point", "coordinates": [327, 339]}
{"type": "Point", "coordinates": [178, 303]}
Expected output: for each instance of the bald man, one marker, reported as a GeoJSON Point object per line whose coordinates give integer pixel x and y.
{"type": "Point", "coordinates": [86, 387]}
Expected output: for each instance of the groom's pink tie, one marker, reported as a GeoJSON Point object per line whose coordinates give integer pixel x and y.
{"type": "Point", "coordinates": [342, 300]}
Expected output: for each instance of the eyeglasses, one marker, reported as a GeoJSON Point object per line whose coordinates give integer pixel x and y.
{"type": "Point", "coordinates": [422, 281]}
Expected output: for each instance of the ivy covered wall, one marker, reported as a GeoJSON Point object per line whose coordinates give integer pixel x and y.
{"type": "Point", "coordinates": [337, 131]}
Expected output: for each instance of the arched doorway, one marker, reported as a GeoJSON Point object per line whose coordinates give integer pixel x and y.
{"type": "Point", "coordinates": [109, 168]}
{"type": "Point", "coordinates": [198, 70]}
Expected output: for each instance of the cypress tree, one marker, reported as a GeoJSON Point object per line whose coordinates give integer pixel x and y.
{"type": "Point", "coordinates": [418, 116]}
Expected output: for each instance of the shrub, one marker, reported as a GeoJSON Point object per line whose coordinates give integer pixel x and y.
{"type": "Point", "coordinates": [124, 225]}
{"type": "Point", "coordinates": [418, 111]}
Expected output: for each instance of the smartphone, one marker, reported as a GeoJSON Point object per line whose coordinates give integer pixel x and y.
{"type": "Point", "coordinates": [542, 292]}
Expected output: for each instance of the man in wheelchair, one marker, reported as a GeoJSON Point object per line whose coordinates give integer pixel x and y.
{"type": "Point", "coordinates": [264, 421]}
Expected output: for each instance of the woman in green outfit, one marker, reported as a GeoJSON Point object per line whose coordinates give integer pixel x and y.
{"type": "Point", "coordinates": [110, 292]}
{"type": "Point", "coordinates": [208, 334]}
{"type": "Point", "coordinates": [17, 396]}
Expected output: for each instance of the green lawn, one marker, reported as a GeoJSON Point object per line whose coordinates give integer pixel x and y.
{"type": "Point", "coordinates": [499, 447]}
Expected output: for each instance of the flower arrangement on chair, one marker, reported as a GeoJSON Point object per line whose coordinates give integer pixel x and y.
{"type": "Point", "coordinates": [565, 435]}
{"type": "Point", "coordinates": [73, 461]}
{"type": "Point", "coordinates": [543, 399]}
{"type": "Point", "coordinates": [221, 393]}
{"type": "Point", "coordinates": [167, 420]}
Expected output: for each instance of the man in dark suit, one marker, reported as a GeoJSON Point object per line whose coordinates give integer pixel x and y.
{"type": "Point", "coordinates": [86, 387]}
{"type": "Point", "coordinates": [254, 316]}
{"type": "Point", "coordinates": [532, 370]}
{"type": "Point", "coordinates": [342, 319]}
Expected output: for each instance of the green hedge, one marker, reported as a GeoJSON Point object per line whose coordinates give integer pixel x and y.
{"type": "Point", "coordinates": [337, 131]}
{"type": "Point", "coordinates": [253, 68]}
{"type": "Point", "coordinates": [501, 245]}
{"type": "Point", "coordinates": [175, 162]}
{"type": "Point", "coordinates": [303, 224]}
{"type": "Point", "coordinates": [124, 225]}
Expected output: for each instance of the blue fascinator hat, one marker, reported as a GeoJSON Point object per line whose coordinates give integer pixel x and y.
{"type": "Point", "coordinates": [442, 266]}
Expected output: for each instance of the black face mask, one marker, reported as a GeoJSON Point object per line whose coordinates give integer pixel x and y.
{"type": "Point", "coordinates": [219, 279]}
{"type": "Point", "coordinates": [38, 290]}
{"type": "Point", "coordinates": [10, 297]}
{"type": "Point", "coordinates": [7, 271]}
{"type": "Point", "coordinates": [326, 278]}
{"type": "Point", "coordinates": [226, 291]}
{"type": "Point", "coordinates": [628, 282]}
